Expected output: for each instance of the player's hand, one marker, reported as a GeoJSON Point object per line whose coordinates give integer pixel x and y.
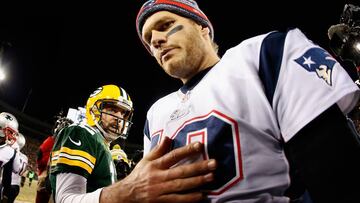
{"type": "Point", "coordinates": [156, 179]}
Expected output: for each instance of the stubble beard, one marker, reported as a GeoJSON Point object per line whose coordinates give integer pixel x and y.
{"type": "Point", "coordinates": [183, 65]}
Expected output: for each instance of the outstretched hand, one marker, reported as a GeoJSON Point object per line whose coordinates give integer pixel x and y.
{"type": "Point", "coordinates": [156, 179]}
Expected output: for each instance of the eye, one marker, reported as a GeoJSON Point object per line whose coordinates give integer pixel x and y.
{"type": "Point", "coordinates": [111, 110]}
{"type": "Point", "coordinates": [160, 27]}
{"type": "Point", "coordinates": [165, 26]}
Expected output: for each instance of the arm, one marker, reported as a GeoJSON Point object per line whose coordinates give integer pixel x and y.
{"type": "Point", "coordinates": [20, 163]}
{"type": "Point", "coordinates": [71, 188]}
{"type": "Point", "coordinates": [155, 180]}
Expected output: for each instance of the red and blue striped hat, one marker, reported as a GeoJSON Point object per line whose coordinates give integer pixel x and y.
{"type": "Point", "coordinates": [185, 8]}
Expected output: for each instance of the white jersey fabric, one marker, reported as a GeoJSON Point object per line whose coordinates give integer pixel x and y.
{"type": "Point", "coordinates": [261, 93]}
{"type": "Point", "coordinates": [16, 177]}
{"type": "Point", "coordinates": [6, 153]}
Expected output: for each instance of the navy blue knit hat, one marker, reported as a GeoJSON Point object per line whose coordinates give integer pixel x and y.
{"type": "Point", "coordinates": [185, 8]}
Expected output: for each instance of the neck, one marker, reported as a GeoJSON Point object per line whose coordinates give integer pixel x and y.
{"type": "Point", "coordinates": [209, 62]}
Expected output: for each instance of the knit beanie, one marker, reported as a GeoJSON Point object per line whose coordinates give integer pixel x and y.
{"type": "Point", "coordinates": [185, 8]}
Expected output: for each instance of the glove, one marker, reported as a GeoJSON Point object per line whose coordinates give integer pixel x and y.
{"type": "Point", "coordinates": [121, 162]}
{"type": "Point", "coordinates": [118, 154]}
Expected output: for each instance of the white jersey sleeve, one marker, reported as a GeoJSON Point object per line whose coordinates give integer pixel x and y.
{"type": "Point", "coordinates": [19, 168]}
{"type": "Point", "coordinates": [71, 188]}
{"type": "Point", "coordinates": [20, 163]}
{"type": "Point", "coordinates": [310, 81]}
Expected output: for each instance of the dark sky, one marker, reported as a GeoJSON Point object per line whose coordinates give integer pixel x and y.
{"type": "Point", "coordinates": [61, 54]}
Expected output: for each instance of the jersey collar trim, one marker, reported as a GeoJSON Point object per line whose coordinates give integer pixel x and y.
{"type": "Point", "coordinates": [194, 80]}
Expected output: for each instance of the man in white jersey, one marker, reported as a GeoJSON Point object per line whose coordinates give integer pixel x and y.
{"type": "Point", "coordinates": [10, 160]}
{"type": "Point", "coordinates": [16, 177]}
{"type": "Point", "coordinates": [271, 90]}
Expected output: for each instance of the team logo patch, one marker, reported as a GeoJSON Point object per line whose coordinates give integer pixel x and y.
{"type": "Point", "coordinates": [319, 61]}
{"type": "Point", "coordinates": [96, 92]}
{"type": "Point", "coordinates": [8, 117]}
{"type": "Point", "coordinates": [78, 143]}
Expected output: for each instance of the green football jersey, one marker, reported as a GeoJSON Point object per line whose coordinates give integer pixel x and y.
{"type": "Point", "coordinates": [81, 149]}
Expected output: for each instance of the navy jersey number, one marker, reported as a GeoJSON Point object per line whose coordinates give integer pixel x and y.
{"type": "Point", "coordinates": [220, 135]}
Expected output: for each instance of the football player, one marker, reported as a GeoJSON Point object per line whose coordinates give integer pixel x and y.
{"type": "Point", "coordinates": [273, 88]}
{"type": "Point", "coordinates": [81, 160]}
{"type": "Point", "coordinates": [10, 160]}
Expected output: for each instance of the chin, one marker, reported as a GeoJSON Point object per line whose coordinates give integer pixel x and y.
{"type": "Point", "coordinates": [173, 69]}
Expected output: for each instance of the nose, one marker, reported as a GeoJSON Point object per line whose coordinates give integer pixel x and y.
{"type": "Point", "coordinates": [158, 39]}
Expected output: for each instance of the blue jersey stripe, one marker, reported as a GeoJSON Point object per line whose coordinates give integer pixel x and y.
{"type": "Point", "coordinates": [271, 54]}
{"type": "Point", "coordinates": [146, 129]}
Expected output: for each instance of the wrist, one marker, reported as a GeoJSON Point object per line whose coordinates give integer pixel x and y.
{"type": "Point", "coordinates": [114, 193]}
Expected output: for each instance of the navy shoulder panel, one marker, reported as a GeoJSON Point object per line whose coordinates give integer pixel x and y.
{"type": "Point", "coordinates": [271, 54]}
{"type": "Point", "coordinates": [146, 129]}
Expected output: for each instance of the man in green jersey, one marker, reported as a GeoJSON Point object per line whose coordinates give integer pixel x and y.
{"type": "Point", "coordinates": [82, 169]}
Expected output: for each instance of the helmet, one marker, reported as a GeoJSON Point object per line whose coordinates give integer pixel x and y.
{"type": "Point", "coordinates": [60, 124]}
{"type": "Point", "coordinates": [20, 142]}
{"type": "Point", "coordinates": [115, 96]}
{"type": "Point", "coordinates": [8, 127]}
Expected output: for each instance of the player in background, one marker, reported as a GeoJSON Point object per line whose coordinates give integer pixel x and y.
{"type": "Point", "coordinates": [81, 155]}
{"type": "Point", "coordinates": [82, 169]}
{"type": "Point", "coordinates": [10, 160]}
{"type": "Point", "coordinates": [271, 90]}
{"type": "Point", "coordinates": [16, 177]}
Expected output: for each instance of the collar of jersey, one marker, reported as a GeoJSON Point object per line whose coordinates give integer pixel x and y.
{"type": "Point", "coordinates": [194, 80]}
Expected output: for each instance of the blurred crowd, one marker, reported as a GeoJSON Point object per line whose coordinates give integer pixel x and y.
{"type": "Point", "coordinates": [30, 149]}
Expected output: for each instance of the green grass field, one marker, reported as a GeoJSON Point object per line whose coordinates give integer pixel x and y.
{"type": "Point", "coordinates": [27, 194]}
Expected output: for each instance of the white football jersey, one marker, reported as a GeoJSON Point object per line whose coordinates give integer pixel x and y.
{"type": "Point", "coordinates": [261, 93]}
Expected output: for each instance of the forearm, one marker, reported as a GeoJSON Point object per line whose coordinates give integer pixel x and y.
{"type": "Point", "coordinates": [71, 188]}
{"type": "Point", "coordinates": [92, 197]}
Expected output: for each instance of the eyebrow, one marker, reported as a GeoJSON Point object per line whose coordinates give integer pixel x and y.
{"type": "Point", "coordinates": [155, 26]}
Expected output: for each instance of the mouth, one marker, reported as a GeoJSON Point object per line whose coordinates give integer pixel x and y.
{"type": "Point", "coordinates": [164, 54]}
{"type": "Point", "coordinates": [113, 128]}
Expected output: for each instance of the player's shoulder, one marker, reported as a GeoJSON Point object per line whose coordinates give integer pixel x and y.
{"type": "Point", "coordinates": [6, 152]}
{"type": "Point", "coordinates": [80, 129]}
{"type": "Point", "coordinates": [7, 149]}
{"type": "Point", "coordinates": [249, 47]}
{"type": "Point", "coordinates": [274, 34]}
{"type": "Point", "coordinates": [252, 47]}
{"type": "Point", "coordinates": [79, 132]}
